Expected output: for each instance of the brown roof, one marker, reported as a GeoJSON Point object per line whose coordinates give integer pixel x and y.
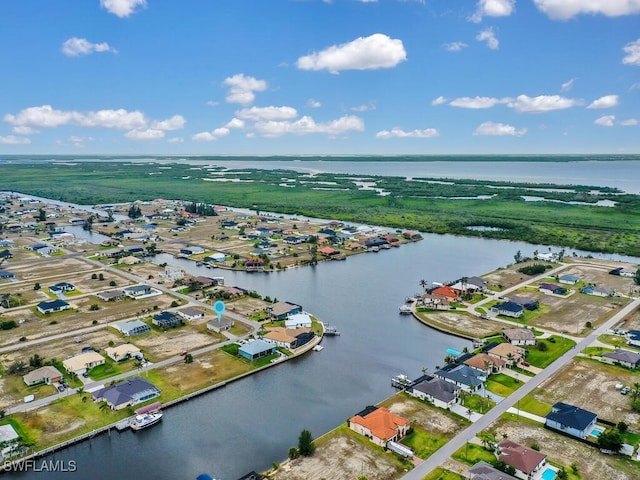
{"type": "Point", "coordinates": [327, 251]}
{"type": "Point", "coordinates": [446, 291]}
{"type": "Point", "coordinates": [281, 334]}
{"type": "Point", "coordinates": [477, 361]}
{"type": "Point", "coordinates": [381, 422]}
{"type": "Point", "coordinates": [519, 457]}
{"type": "Point", "coordinates": [504, 349]}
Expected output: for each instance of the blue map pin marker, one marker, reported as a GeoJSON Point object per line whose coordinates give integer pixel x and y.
{"type": "Point", "coordinates": [219, 307]}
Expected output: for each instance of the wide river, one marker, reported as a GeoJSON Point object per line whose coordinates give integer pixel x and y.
{"type": "Point", "coordinates": [251, 423]}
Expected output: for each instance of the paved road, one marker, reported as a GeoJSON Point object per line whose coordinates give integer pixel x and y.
{"type": "Point", "coordinates": [441, 456]}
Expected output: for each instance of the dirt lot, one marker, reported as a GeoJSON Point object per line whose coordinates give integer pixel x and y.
{"type": "Point", "coordinates": [591, 463]}
{"type": "Point", "coordinates": [431, 419]}
{"type": "Point", "coordinates": [509, 276]}
{"type": "Point", "coordinates": [600, 276]}
{"type": "Point", "coordinates": [47, 268]}
{"type": "Point", "coordinates": [341, 457]}
{"type": "Point", "coordinates": [160, 345]}
{"type": "Point", "coordinates": [596, 383]}
{"type": "Point", "coordinates": [632, 322]}
{"type": "Point", "coordinates": [572, 312]}
{"type": "Point", "coordinates": [462, 323]}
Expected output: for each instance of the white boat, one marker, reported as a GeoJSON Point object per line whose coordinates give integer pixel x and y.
{"type": "Point", "coordinates": [145, 420]}
{"type": "Point", "coordinates": [405, 308]}
{"type": "Point", "coordinates": [318, 348]}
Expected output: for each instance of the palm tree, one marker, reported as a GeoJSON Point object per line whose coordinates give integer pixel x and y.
{"type": "Point", "coordinates": [423, 284]}
{"type": "Point", "coordinates": [636, 391]}
{"type": "Point", "coordinates": [511, 358]}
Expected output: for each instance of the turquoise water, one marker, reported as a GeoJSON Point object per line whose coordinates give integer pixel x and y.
{"type": "Point", "coordinates": [548, 474]}
{"type": "Point", "coordinates": [595, 432]}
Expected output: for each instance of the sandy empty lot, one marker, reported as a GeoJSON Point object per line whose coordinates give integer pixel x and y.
{"type": "Point", "coordinates": [462, 322]}
{"type": "Point", "coordinates": [162, 345]}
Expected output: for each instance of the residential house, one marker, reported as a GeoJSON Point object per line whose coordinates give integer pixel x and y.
{"type": "Point", "coordinates": [628, 272]}
{"type": "Point", "coordinates": [478, 282]}
{"type": "Point", "coordinates": [46, 374]}
{"type": "Point", "coordinates": [131, 391]}
{"type": "Point", "coordinates": [42, 249]}
{"type": "Point", "coordinates": [9, 440]}
{"type": "Point", "coordinates": [256, 349]}
{"type": "Point", "coordinates": [486, 363]}
{"type": "Point", "coordinates": [192, 250]}
{"type": "Point", "coordinates": [52, 306]}
{"type": "Point", "coordinates": [622, 357]}
{"type": "Point", "coordinates": [190, 313]}
{"type": "Point", "coordinates": [111, 295]}
{"type": "Point", "coordinates": [221, 325]}
{"type": "Point", "coordinates": [519, 336]}
{"type": "Point", "coordinates": [527, 303]}
{"type": "Point", "coordinates": [465, 377]}
{"type": "Point", "coordinates": [137, 291]}
{"type": "Point", "coordinates": [598, 291]}
{"type": "Point", "coordinates": [123, 352]}
{"type": "Point", "coordinates": [166, 320]}
{"type": "Point", "coordinates": [508, 309]}
{"type": "Point", "coordinates": [463, 286]}
{"type": "Point", "coordinates": [298, 320]}
{"type": "Point", "coordinates": [131, 328]}
{"type": "Point", "coordinates": [441, 393]}
{"type": "Point", "coordinates": [6, 243]}
{"type": "Point", "coordinates": [287, 338]}
{"type": "Point", "coordinates": [483, 471]}
{"type": "Point", "coordinates": [434, 302]}
{"type": "Point", "coordinates": [552, 289]}
{"type": "Point", "coordinates": [5, 254]}
{"type": "Point", "coordinates": [633, 338]}
{"type": "Point", "coordinates": [571, 420]}
{"type": "Point", "coordinates": [254, 264]}
{"type": "Point", "coordinates": [61, 288]}
{"type": "Point", "coordinates": [379, 425]}
{"type": "Point", "coordinates": [281, 310]}
{"type": "Point", "coordinates": [249, 476]}
{"type": "Point", "coordinates": [525, 460]}
{"type": "Point", "coordinates": [446, 292]}
{"type": "Point", "coordinates": [215, 257]}
{"type": "Point", "coordinates": [6, 274]}
{"type": "Point", "coordinates": [568, 279]}
{"type": "Point", "coordinates": [511, 354]}
{"type": "Point", "coordinates": [83, 362]}
{"type": "Point", "coordinates": [328, 251]}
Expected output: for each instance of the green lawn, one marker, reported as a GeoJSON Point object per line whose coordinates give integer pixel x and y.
{"type": "Point", "coordinates": [531, 405]}
{"type": "Point", "coordinates": [596, 351]}
{"type": "Point", "coordinates": [503, 385]}
{"type": "Point", "coordinates": [423, 444]}
{"type": "Point", "coordinates": [471, 454]}
{"type": "Point", "coordinates": [442, 474]}
{"type": "Point", "coordinates": [555, 348]}
{"type": "Point", "coordinates": [477, 403]}
{"type": "Point", "coordinates": [111, 368]}
{"type": "Point", "coordinates": [615, 340]}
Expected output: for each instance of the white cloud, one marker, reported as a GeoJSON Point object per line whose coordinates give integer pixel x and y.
{"type": "Point", "coordinates": [542, 103]}
{"type": "Point", "coordinates": [397, 132]}
{"type": "Point", "coordinates": [120, 118]}
{"type": "Point", "coordinates": [267, 113]}
{"type": "Point", "coordinates": [605, 121]}
{"type": "Point", "coordinates": [364, 53]}
{"type": "Point", "coordinates": [44, 116]}
{"type": "Point", "coordinates": [174, 123]}
{"type": "Point", "coordinates": [478, 102]}
{"type": "Point", "coordinates": [24, 130]}
{"type": "Point", "coordinates": [629, 122]}
{"type": "Point", "coordinates": [365, 107]}
{"type": "Point", "coordinates": [455, 46]}
{"type": "Point", "coordinates": [566, 86]}
{"type": "Point", "coordinates": [242, 88]}
{"type": "Point", "coordinates": [122, 8]}
{"type": "Point", "coordinates": [499, 129]}
{"type": "Point", "coordinates": [211, 136]}
{"type": "Point", "coordinates": [565, 9]}
{"type": "Point", "coordinates": [77, 139]}
{"type": "Point", "coordinates": [306, 125]}
{"type": "Point", "coordinates": [175, 140]}
{"type": "Point", "coordinates": [607, 101]}
{"type": "Point", "coordinates": [488, 36]}
{"type": "Point", "coordinates": [312, 103]}
{"type": "Point", "coordinates": [76, 47]}
{"type": "Point", "coordinates": [146, 134]}
{"type": "Point", "coordinates": [492, 8]}
{"type": "Point", "coordinates": [13, 140]}
{"type": "Point", "coordinates": [632, 49]}
{"type": "Point", "coordinates": [213, 103]}
{"type": "Point", "coordinates": [439, 101]}
{"type": "Point", "coordinates": [235, 123]}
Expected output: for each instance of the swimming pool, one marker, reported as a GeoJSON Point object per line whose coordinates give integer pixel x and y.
{"type": "Point", "coordinates": [548, 474]}
{"type": "Point", "coordinates": [597, 430]}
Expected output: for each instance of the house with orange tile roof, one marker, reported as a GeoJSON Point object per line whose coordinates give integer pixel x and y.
{"type": "Point", "coordinates": [446, 291]}
{"type": "Point", "coordinates": [288, 337]}
{"type": "Point", "coordinates": [379, 425]}
{"type": "Point", "coordinates": [328, 251]}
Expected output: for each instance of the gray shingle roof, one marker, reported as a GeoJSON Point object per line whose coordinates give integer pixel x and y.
{"type": "Point", "coordinates": [571, 416]}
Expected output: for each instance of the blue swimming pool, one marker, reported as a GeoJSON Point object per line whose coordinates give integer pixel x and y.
{"type": "Point", "coordinates": [596, 432]}
{"type": "Point", "coordinates": [548, 474]}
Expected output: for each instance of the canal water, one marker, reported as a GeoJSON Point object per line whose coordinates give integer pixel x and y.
{"type": "Point", "coordinates": [251, 423]}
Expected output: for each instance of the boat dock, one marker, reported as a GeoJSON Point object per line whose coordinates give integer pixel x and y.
{"type": "Point", "coordinates": [330, 330]}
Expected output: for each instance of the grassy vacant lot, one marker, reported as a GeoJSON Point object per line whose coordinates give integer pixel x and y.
{"type": "Point", "coordinates": [592, 464]}
{"type": "Point", "coordinates": [595, 383]}
{"type": "Point", "coordinates": [412, 204]}
{"type": "Point", "coordinates": [477, 403]}
{"type": "Point", "coordinates": [503, 385]}
{"type": "Point", "coordinates": [442, 474]}
{"type": "Point", "coordinates": [616, 341]}
{"type": "Point", "coordinates": [471, 454]}
{"type": "Point", "coordinates": [542, 357]}
{"type": "Point", "coordinates": [422, 443]}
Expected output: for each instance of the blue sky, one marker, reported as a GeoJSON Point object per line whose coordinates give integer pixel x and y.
{"type": "Point", "coordinates": [261, 77]}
